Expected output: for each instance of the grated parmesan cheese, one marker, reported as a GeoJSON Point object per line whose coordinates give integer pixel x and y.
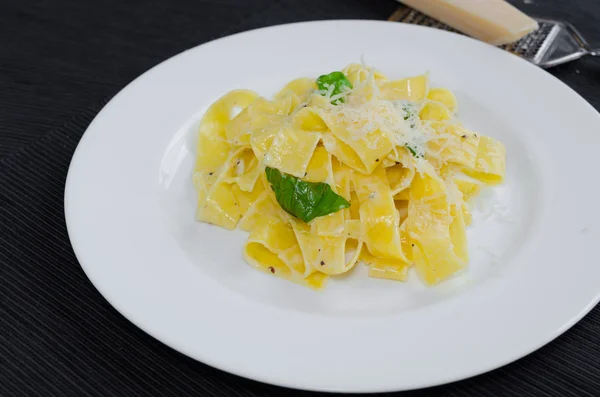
{"type": "Point", "coordinates": [494, 258]}
{"type": "Point", "coordinates": [363, 113]}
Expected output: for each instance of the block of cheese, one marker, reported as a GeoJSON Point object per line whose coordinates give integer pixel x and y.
{"type": "Point", "coordinates": [493, 21]}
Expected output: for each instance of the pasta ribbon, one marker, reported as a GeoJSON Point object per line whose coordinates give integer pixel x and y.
{"type": "Point", "coordinates": [345, 168]}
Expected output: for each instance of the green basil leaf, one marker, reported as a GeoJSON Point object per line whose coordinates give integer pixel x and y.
{"type": "Point", "coordinates": [338, 80]}
{"type": "Point", "coordinates": [304, 200]}
{"type": "Point", "coordinates": [409, 111]}
{"type": "Point", "coordinates": [413, 151]}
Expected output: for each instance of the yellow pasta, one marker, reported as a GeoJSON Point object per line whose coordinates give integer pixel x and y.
{"type": "Point", "coordinates": [348, 168]}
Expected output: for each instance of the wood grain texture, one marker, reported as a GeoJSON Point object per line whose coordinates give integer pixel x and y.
{"type": "Point", "coordinates": [61, 61]}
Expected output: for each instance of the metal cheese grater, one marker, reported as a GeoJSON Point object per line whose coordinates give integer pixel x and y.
{"type": "Point", "coordinates": [553, 43]}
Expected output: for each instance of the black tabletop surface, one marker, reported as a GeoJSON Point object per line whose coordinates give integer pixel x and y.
{"type": "Point", "coordinates": [60, 62]}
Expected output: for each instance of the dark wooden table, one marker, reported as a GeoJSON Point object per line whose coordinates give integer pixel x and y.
{"type": "Point", "coordinates": [60, 62]}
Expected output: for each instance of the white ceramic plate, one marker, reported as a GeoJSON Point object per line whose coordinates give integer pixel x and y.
{"type": "Point", "coordinates": [130, 204]}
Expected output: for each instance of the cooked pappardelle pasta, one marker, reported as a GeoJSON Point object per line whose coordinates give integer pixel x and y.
{"type": "Point", "coordinates": [347, 168]}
